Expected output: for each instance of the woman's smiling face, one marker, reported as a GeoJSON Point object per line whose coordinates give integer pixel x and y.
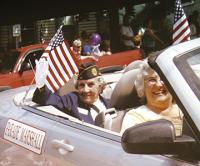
{"type": "Point", "coordinates": [156, 93]}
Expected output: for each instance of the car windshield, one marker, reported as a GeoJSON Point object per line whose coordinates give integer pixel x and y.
{"type": "Point", "coordinates": [8, 61]}
{"type": "Point", "coordinates": [194, 63]}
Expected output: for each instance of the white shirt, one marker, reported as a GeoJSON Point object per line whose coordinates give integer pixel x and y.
{"type": "Point", "coordinates": [127, 30]}
{"type": "Point", "coordinates": [101, 107]}
{"type": "Point", "coordinates": [94, 112]}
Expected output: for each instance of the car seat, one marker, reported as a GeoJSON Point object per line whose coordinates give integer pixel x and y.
{"type": "Point", "coordinates": [123, 97]}
{"type": "Point", "coordinates": [124, 94]}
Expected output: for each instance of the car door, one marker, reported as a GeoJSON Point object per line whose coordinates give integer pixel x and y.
{"type": "Point", "coordinates": [73, 142]}
{"type": "Point", "coordinates": [23, 137]}
{"type": "Point", "coordinates": [30, 135]}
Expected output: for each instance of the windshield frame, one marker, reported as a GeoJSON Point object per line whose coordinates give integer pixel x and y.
{"type": "Point", "coordinates": [187, 72]}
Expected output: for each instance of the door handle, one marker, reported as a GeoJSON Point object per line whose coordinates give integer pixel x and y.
{"type": "Point", "coordinates": [63, 146]}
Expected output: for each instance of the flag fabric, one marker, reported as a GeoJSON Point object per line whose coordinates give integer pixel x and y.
{"type": "Point", "coordinates": [63, 64]}
{"type": "Point", "coordinates": [181, 29]}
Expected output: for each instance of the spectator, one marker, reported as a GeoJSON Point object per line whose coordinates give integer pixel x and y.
{"type": "Point", "coordinates": [105, 47]}
{"type": "Point", "coordinates": [77, 47]}
{"type": "Point", "coordinates": [92, 48]}
{"type": "Point", "coordinates": [194, 24]}
{"type": "Point", "coordinates": [127, 33]}
{"type": "Point", "coordinates": [84, 38]}
{"type": "Point", "coordinates": [157, 101]}
{"type": "Point", "coordinates": [137, 40]}
{"type": "Point", "coordinates": [85, 104]}
{"type": "Point", "coordinates": [150, 39]}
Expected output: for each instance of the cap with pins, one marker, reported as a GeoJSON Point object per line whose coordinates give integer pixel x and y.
{"type": "Point", "coordinates": [88, 70]}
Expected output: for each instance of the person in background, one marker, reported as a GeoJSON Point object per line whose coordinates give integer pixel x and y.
{"type": "Point", "coordinates": [92, 48]}
{"type": "Point", "coordinates": [126, 33]}
{"type": "Point", "coordinates": [85, 103]}
{"type": "Point", "coordinates": [137, 40]}
{"type": "Point", "coordinates": [194, 24]}
{"type": "Point", "coordinates": [150, 39]}
{"type": "Point", "coordinates": [77, 48]}
{"type": "Point", "coordinates": [84, 38]}
{"type": "Point", "coordinates": [157, 100]}
{"type": "Point", "coordinates": [105, 48]}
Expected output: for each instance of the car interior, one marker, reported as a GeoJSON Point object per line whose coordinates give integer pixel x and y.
{"type": "Point", "coordinates": [120, 90]}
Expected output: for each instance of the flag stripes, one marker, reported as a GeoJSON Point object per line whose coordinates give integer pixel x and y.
{"type": "Point", "coordinates": [63, 64]}
{"type": "Point", "coordinates": [181, 29]}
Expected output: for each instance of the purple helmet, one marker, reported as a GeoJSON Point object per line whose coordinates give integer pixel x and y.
{"type": "Point", "coordinates": [95, 39]}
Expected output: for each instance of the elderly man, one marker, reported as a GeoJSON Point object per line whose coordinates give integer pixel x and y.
{"type": "Point", "coordinates": [85, 103]}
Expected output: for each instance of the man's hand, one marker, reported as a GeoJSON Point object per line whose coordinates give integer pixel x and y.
{"type": "Point", "coordinates": [41, 72]}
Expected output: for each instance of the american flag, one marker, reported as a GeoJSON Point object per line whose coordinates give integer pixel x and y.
{"type": "Point", "coordinates": [63, 64]}
{"type": "Point", "coordinates": [181, 29]}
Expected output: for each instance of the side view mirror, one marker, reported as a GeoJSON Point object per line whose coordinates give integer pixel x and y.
{"type": "Point", "coordinates": [156, 137]}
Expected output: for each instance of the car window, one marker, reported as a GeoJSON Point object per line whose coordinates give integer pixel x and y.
{"type": "Point", "coordinates": [32, 56]}
{"type": "Point", "coordinates": [8, 61]}
{"type": "Point", "coordinates": [189, 66]}
{"type": "Point", "coordinates": [194, 63]}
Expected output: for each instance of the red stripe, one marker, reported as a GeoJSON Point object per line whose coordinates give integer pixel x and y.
{"type": "Point", "coordinates": [181, 33]}
{"type": "Point", "coordinates": [51, 84]}
{"type": "Point", "coordinates": [75, 58]}
{"type": "Point", "coordinates": [54, 76]}
{"type": "Point", "coordinates": [67, 59]}
{"type": "Point", "coordinates": [180, 25]}
{"type": "Point", "coordinates": [63, 66]}
{"type": "Point", "coordinates": [76, 61]}
{"type": "Point", "coordinates": [56, 67]}
{"type": "Point", "coordinates": [186, 38]}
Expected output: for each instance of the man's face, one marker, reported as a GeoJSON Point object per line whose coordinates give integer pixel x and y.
{"type": "Point", "coordinates": [156, 93]}
{"type": "Point", "coordinates": [88, 90]}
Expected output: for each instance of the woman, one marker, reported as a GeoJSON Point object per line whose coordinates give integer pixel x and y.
{"type": "Point", "coordinates": [157, 101]}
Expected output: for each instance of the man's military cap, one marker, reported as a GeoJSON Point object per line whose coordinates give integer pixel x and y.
{"type": "Point", "coordinates": [88, 70]}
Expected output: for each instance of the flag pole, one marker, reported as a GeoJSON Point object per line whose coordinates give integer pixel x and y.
{"type": "Point", "coordinates": [26, 93]}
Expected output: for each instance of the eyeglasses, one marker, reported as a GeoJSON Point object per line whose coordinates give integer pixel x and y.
{"type": "Point", "coordinates": [153, 80]}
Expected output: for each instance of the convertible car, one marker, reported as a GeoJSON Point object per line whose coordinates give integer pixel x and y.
{"type": "Point", "coordinates": [32, 134]}
{"type": "Point", "coordinates": [17, 68]}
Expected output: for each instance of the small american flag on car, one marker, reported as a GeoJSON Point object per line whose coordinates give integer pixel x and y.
{"type": "Point", "coordinates": [63, 64]}
{"type": "Point", "coordinates": [181, 29]}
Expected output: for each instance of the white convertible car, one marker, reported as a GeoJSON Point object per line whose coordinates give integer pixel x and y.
{"type": "Point", "coordinates": [36, 135]}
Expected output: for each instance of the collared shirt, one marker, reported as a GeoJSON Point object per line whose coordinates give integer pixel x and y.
{"type": "Point", "coordinates": [100, 107]}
